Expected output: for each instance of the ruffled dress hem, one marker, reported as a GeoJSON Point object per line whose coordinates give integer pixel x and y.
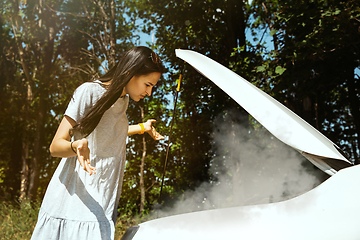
{"type": "Point", "coordinates": [54, 228]}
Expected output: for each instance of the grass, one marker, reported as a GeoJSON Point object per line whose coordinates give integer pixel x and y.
{"type": "Point", "coordinates": [17, 220]}
{"type": "Point", "coordinates": [123, 223]}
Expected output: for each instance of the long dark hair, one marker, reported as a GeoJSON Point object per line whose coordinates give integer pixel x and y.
{"type": "Point", "coordinates": [135, 62]}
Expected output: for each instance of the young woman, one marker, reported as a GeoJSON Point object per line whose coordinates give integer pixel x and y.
{"type": "Point", "coordinates": [82, 197]}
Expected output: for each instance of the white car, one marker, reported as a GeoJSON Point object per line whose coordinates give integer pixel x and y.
{"type": "Point", "coordinates": [331, 211]}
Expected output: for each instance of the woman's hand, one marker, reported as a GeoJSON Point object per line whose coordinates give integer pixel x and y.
{"type": "Point", "coordinates": [149, 128]}
{"type": "Point", "coordinates": [61, 145]}
{"type": "Point", "coordinates": [83, 153]}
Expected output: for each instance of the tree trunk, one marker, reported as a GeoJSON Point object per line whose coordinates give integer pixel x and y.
{"type": "Point", "coordinates": [44, 72]}
{"type": "Point", "coordinates": [235, 24]}
{"type": "Point", "coordinates": [112, 33]}
{"type": "Point", "coordinates": [142, 164]}
{"type": "Point", "coordinates": [268, 20]}
{"type": "Point", "coordinates": [354, 107]}
{"type": "Point", "coordinates": [24, 183]}
{"type": "Point", "coordinates": [38, 144]}
{"type": "Point", "coordinates": [29, 98]}
{"type": "Point", "coordinates": [24, 170]}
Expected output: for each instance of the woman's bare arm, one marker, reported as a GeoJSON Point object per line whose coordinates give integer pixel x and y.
{"type": "Point", "coordinates": [61, 145]}
{"type": "Point", "coordinates": [136, 129]}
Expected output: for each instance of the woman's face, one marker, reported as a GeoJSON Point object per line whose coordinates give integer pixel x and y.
{"type": "Point", "coordinates": [140, 86]}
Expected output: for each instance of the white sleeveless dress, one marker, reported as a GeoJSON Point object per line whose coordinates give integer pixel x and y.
{"type": "Point", "coordinates": [77, 205]}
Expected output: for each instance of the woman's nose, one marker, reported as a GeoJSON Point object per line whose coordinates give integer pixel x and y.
{"type": "Point", "coordinates": [148, 91]}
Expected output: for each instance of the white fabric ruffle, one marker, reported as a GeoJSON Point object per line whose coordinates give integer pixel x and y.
{"type": "Point", "coordinates": [51, 228]}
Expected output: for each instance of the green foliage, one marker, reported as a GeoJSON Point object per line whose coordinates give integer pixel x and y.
{"type": "Point", "coordinates": [47, 54]}
{"type": "Point", "coordinates": [17, 221]}
{"type": "Point", "coordinates": [320, 50]}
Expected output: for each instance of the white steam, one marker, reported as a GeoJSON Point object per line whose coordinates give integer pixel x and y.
{"type": "Point", "coordinates": [250, 168]}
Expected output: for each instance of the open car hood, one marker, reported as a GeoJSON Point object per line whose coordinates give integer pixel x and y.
{"type": "Point", "coordinates": [275, 117]}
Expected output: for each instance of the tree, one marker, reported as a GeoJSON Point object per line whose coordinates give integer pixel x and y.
{"type": "Point", "coordinates": [45, 40]}
{"type": "Point", "coordinates": [9, 104]}
{"type": "Point", "coordinates": [319, 47]}
{"type": "Point", "coordinates": [33, 29]}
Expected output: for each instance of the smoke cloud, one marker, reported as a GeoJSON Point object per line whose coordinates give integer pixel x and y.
{"type": "Point", "coordinates": [250, 167]}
